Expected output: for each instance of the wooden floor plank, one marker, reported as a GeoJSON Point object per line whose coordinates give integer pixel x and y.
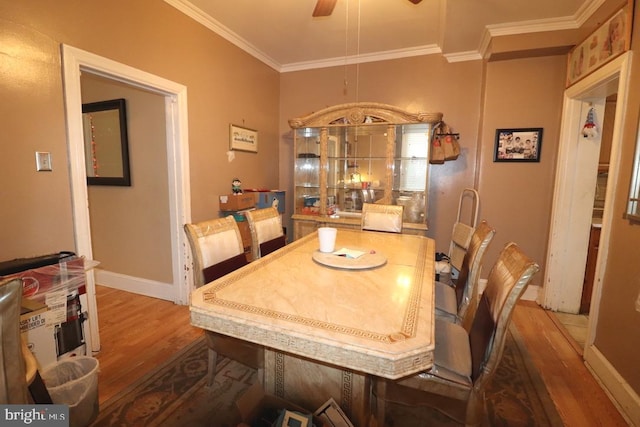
{"type": "Point", "coordinates": [137, 333]}
{"type": "Point", "coordinates": [577, 395]}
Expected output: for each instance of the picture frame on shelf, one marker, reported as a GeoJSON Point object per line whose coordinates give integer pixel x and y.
{"type": "Point", "coordinates": [243, 139]}
{"type": "Point", "coordinates": [518, 145]}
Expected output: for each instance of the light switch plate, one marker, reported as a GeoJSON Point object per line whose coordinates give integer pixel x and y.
{"type": "Point", "coordinates": [43, 161]}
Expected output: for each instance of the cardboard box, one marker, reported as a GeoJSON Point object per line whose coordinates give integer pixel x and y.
{"type": "Point", "coordinates": [54, 309]}
{"type": "Point", "coordinates": [245, 233]}
{"type": "Point", "coordinates": [39, 336]}
{"type": "Point", "coordinates": [256, 406]}
{"type": "Point", "coordinates": [236, 202]}
{"type": "Point", "coordinates": [332, 415]}
{"type": "Point", "coordinates": [65, 275]}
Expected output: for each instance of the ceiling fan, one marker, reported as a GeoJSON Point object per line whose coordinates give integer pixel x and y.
{"type": "Point", "coordinates": [325, 7]}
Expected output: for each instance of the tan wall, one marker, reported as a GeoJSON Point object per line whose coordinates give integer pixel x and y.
{"type": "Point", "coordinates": [618, 329]}
{"type": "Point", "coordinates": [137, 216]}
{"type": "Point", "coordinates": [421, 84]}
{"type": "Point", "coordinates": [225, 85]}
{"type": "Point", "coordinates": [515, 198]}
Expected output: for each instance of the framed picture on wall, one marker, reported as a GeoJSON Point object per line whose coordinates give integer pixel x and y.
{"type": "Point", "coordinates": [518, 145]}
{"type": "Point", "coordinates": [243, 139]}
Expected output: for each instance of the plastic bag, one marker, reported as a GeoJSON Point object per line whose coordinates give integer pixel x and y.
{"type": "Point", "coordinates": [74, 382]}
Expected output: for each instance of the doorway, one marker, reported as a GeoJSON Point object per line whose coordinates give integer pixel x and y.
{"type": "Point", "coordinates": [575, 188]}
{"type": "Point", "coordinates": [75, 62]}
{"type": "Point", "coordinates": [575, 325]}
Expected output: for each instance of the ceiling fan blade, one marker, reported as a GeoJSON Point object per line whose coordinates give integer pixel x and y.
{"type": "Point", "coordinates": [324, 7]}
{"type": "Point", "coordinates": [415, 1]}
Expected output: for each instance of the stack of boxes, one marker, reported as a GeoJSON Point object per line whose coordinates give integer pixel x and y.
{"type": "Point", "coordinates": [54, 320]}
{"type": "Point", "coordinates": [238, 204]}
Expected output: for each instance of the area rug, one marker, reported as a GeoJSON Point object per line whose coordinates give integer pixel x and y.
{"type": "Point", "coordinates": [516, 396]}
{"type": "Point", "coordinates": [175, 394]}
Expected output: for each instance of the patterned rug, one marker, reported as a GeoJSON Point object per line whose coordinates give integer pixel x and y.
{"type": "Point", "coordinates": [175, 395]}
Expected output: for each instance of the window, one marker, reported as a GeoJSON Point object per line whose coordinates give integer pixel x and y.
{"type": "Point", "coordinates": [413, 158]}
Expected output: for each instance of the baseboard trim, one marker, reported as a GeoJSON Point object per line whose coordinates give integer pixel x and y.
{"type": "Point", "coordinates": [530, 294]}
{"type": "Point", "coordinates": [136, 285]}
{"type": "Point", "coordinates": [620, 392]}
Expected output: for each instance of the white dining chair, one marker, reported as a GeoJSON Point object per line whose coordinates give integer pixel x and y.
{"type": "Point", "coordinates": [267, 234]}
{"type": "Point", "coordinates": [217, 250]}
{"type": "Point", "coordinates": [379, 217]}
{"type": "Point", "coordinates": [465, 361]}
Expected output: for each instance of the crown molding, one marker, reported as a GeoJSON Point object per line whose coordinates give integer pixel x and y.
{"type": "Point", "coordinates": [586, 10]}
{"type": "Point", "coordinates": [361, 58]}
{"type": "Point", "coordinates": [514, 28]}
{"type": "Point", "coordinates": [533, 26]}
{"type": "Point", "coordinates": [470, 55]}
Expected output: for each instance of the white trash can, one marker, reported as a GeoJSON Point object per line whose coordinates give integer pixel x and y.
{"type": "Point", "coordinates": [74, 382]}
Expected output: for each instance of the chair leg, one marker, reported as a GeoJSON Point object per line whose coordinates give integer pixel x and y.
{"type": "Point", "coordinates": [261, 375]}
{"type": "Point", "coordinates": [475, 413]}
{"type": "Point", "coordinates": [213, 361]}
{"type": "Point", "coordinates": [38, 391]}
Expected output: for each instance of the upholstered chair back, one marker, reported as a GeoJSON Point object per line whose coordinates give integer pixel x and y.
{"type": "Point", "coordinates": [13, 378]}
{"type": "Point", "coordinates": [506, 283]}
{"type": "Point", "coordinates": [378, 217]}
{"type": "Point", "coordinates": [466, 285]}
{"type": "Point", "coordinates": [217, 248]}
{"type": "Point", "coordinates": [266, 231]}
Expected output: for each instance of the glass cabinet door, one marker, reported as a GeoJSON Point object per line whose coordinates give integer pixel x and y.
{"type": "Point", "coordinates": [363, 164]}
{"type": "Point", "coordinates": [307, 172]}
{"type": "Point", "coordinates": [356, 153]}
{"type": "Point", "coordinates": [410, 167]}
{"type": "Point", "coordinates": [356, 167]}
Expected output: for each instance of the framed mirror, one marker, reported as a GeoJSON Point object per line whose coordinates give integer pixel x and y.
{"type": "Point", "coordinates": [633, 205]}
{"type": "Point", "coordinates": [106, 145]}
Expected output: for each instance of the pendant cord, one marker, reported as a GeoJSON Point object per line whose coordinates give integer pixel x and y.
{"type": "Point", "coordinates": [358, 57]}
{"type": "Point", "coordinates": [346, 51]}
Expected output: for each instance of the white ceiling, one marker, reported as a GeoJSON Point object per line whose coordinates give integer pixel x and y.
{"type": "Point", "coordinates": [284, 35]}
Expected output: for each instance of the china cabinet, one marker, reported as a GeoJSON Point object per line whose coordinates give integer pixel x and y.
{"type": "Point", "coordinates": [351, 154]}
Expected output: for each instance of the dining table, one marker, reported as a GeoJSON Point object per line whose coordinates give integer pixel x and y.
{"type": "Point", "coordinates": [329, 322]}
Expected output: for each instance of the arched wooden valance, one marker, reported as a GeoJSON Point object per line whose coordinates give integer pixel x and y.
{"type": "Point", "coordinates": [358, 113]}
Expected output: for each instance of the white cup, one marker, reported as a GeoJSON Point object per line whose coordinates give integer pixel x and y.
{"type": "Point", "coordinates": [327, 237]}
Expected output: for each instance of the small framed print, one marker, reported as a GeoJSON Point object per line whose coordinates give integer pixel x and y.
{"type": "Point", "coordinates": [518, 145]}
{"type": "Point", "coordinates": [243, 139]}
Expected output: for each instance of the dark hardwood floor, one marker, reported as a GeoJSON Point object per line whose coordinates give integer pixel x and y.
{"type": "Point", "coordinates": [137, 333]}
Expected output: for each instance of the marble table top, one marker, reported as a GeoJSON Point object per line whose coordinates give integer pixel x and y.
{"type": "Point", "coordinates": [377, 321]}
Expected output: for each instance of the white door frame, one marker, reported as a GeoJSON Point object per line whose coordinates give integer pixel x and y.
{"type": "Point", "coordinates": [76, 61]}
{"type": "Point", "coordinates": [575, 189]}
{"type": "Point", "coordinates": [565, 260]}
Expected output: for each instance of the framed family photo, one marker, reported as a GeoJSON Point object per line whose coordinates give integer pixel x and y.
{"type": "Point", "coordinates": [518, 145]}
{"type": "Point", "coordinates": [243, 139]}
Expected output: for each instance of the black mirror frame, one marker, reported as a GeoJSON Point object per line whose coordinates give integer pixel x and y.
{"type": "Point", "coordinates": [120, 105]}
